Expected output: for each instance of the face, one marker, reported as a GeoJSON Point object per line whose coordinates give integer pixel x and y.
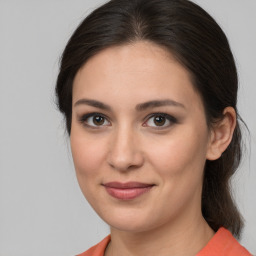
{"type": "Point", "coordinates": [139, 137]}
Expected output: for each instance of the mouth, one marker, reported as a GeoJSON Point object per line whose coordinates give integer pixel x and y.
{"type": "Point", "coordinates": [127, 191]}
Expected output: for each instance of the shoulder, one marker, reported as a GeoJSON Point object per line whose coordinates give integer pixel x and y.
{"type": "Point", "coordinates": [223, 244]}
{"type": "Point", "coordinates": [98, 249]}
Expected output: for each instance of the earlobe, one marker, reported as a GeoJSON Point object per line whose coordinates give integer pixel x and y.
{"type": "Point", "coordinates": [221, 134]}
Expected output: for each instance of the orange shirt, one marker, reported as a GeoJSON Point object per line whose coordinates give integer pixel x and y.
{"type": "Point", "coordinates": [221, 244]}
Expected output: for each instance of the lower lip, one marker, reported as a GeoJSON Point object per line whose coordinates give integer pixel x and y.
{"type": "Point", "coordinates": [127, 193]}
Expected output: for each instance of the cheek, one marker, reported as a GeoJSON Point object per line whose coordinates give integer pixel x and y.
{"type": "Point", "coordinates": [87, 155]}
{"type": "Point", "coordinates": [182, 153]}
{"type": "Point", "coordinates": [179, 161]}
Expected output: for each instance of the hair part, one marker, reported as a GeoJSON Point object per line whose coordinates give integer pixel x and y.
{"type": "Point", "coordinates": [197, 42]}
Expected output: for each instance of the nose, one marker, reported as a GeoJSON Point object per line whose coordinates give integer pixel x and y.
{"type": "Point", "coordinates": [125, 150]}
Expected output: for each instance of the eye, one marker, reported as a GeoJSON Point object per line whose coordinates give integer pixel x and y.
{"type": "Point", "coordinates": [94, 120]}
{"type": "Point", "coordinates": [160, 120]}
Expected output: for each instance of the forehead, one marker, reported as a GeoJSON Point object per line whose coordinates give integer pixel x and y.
{"type": "Point", "coordinates": [139, 72]}
{"type": "Point", "coordinates": [135, 57]}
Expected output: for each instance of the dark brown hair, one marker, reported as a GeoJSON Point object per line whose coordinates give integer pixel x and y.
{"type": "Point", "coordinates": [200, 45]}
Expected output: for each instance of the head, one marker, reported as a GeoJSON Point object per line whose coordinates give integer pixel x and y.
{"type": "Point", "coordinates": [182, 33]}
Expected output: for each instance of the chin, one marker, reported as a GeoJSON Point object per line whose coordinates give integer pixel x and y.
{"type": "Point", "coordinates": [130, 221]}
{"type": "Point", "coordinates": [129, 226]}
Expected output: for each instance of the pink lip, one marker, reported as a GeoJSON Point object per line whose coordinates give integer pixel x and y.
{"type": "Point", "coordinates": [127, 191]}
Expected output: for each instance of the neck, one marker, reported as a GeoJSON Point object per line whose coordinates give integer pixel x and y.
{"type": "Point", "coordinates": [179, 240]}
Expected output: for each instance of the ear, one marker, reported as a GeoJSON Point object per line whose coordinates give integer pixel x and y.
{"type": "Point", "coordinates": [221, 134]}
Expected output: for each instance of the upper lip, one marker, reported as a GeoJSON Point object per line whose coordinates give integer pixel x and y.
{"type": "Point", "coordinates": [126, 185]}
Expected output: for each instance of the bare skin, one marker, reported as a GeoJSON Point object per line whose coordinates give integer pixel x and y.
{"type": "Point", "coordinates": [161, 241]}
{"type": "Point", "coordinates": [136, 117]}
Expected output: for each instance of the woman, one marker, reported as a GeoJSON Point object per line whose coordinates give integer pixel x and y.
{"type": "Point", "coordinates": [149, 90]}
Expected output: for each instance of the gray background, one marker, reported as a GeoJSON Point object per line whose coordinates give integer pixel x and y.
{"type": "Point", "coordinates": [42, 211]}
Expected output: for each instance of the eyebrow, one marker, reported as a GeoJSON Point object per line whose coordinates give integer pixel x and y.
{"type": "Point", "coordinates": [158, 103]}
{"type": "Point", "coordinates": [139, 107]}
{"type": "Point", "coordinates": [93, 103]}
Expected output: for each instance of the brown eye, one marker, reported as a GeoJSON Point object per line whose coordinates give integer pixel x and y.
{"type": "Point", "coordinates": [98, 120]}
{"type": "Point", "coordinates": [159, 120]}
{"type": "Point", "coordinates": [94, 120]}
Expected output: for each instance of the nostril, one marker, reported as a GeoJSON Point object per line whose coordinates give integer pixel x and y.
{"type": "Point", "coordinates": [124, 150]}
{"type": "Point", "coordinates": [125, 161]}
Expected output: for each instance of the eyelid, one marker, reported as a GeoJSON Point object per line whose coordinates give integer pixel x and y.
{"type": "Point", "coordinates": [85, 117]}
{"type": "Point", "coordinates": [170, 118]}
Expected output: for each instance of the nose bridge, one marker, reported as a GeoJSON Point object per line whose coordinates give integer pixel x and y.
{"type": "Point", "coordinates": [125, 151]}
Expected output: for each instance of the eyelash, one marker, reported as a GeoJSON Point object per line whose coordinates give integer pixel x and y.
{"type": "Point", "coordinates": [84, 119]}
{"type": "Point", "coordinates": [172, 120]}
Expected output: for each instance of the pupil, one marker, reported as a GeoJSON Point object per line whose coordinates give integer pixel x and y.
{"type": "Point", "coordinates": [159, 120]}
{"type": "Point", "coordinates": [98, 120]}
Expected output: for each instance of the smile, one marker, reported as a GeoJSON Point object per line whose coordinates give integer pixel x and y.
{"type": "Point", "coordinates": [127, 191]}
